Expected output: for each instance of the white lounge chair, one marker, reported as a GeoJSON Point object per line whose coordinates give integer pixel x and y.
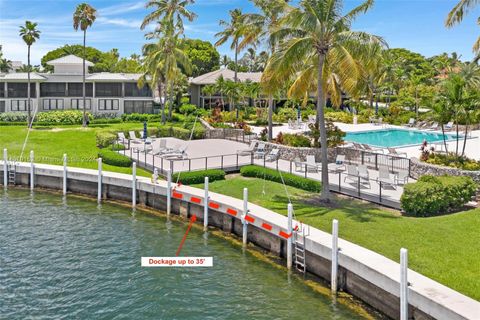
{"type": "Point", "coordinates": [159, 146]}
{"type": "Point", "coordinates": [385, 178]}
{"type": "Point", "coordinates": [311, 118]}
{"type": "Point", "coordinates": [363, 174]}
{"type": "Point", "coordinates": [121, 136]}
{"type": "Point", "coordinates": [298, 165]}
{"type": "Point", "coordinates": [179, 153]}
{"type": "Point", "coordinates": [448, 126]}
{"type": "Point", "coordinates": [339, 165]}
{"type": "Point", "coordinates": [410, 123]}
{"type": "Point", "coordinates": [401, 177]}
{"type": "Point", "coordinates": [394, 152]}
{"type": "Point", "coordinates": [371, 149]}
{"type": "Point", "coordinates": [260, 151]}
{"type": "Point", "coordinates": [310, 164]}
{"type": "Point", "coordinates": [248, 151]}
{"type": "Point", "coordinates": [433, 127]}
{"type": "Point", "coordinates": [352, 173]}
{"type": "Point", "coordinates": [273, 155]}
{"type": "Point", "coordinates": [133, 137]}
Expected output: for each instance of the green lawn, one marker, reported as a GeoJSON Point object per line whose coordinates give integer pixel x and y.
{"type": "Point", "coordinates": [445, 248]}
{"type": "Point", "coordinates": [49, 145]}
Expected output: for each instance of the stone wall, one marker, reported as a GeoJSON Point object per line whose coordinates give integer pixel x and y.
{"type": "Point", "coordinates": [419, 168]}
{"type": "Point", "coordinates": [292, 153]}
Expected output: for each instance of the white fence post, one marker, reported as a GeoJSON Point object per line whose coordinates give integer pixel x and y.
{"type": "Point", "coordinates": [205, 206]}
{"type": "Point", "coordinates": [32, 170]}
{"type": "Point", "coordinates": [99, 191]}
{"type": "Point", "coordinates": [5, 168]}
{"type": "Point", "coordinates": [134, 184]}
{"type": "Point", "coordinates": [403, 284]}
{"type": "Point", "coordinates": [334, 272]}
{"type": "Point", "coordinates": [244, 222]}
{"type": "Point", "coordinates": [64, 174]}
{"type": "Point", "coordinates": [289, 240]}
{"type": "Point", "coordinates": [169, 191]}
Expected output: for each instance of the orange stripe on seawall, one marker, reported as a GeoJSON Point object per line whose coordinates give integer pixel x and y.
{"type": "Point", "coordinates": [214, 205]}
{"type": "Point", "coordinates": [267, 226]}
{"type": "Point", "coordinates": [177, 195]}
{"type": "Point", "coordinates": [284, 234]}
{"type": "Point", "coordinates": [232, 212]}
{"type": "Point", "coordinates": [250, 219]}
{"type": "Point", "coordinates": [195, 200]}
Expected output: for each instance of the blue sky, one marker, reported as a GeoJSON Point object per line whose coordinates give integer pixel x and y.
{"type": "Point", "coordinates": [413, 24]}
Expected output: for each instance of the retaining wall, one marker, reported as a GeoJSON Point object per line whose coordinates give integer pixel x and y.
{"type": "Point", "coordinates": [363, 273]}
{"type": "Point", "coordinates": [419, 168]}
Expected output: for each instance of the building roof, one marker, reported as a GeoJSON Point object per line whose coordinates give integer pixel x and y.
{"type": "Point", "coordinates": [69, 77]}
{"type": "Point", "coordinates": [211, 77]}
{"type": "Point", "coordinates": [69, 60]}
{"type": "Point", "coordinates": [16, 64]}
{"type": "Point", "coordinates": [107, 76]}
{"type": "Point", "coordinates": [19, 76]}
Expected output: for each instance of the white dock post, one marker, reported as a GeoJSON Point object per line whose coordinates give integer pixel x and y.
{"type": "Point", "coordinates": [403, 284]}
{"type": "Point", "coordinates": [205, 206]}
{"type": "Point", "coordinates": [99, 190]}
{"type": "Point", "coordinates": [5, 168]}
{"type": "Point", "coordinates": [64, 174]}
{"type": "Point", "coordinates": [134, 184]}
{"type": "Point", "coordinates": [334, 272]}
{"type": "Point", "coordinates": [289, 240]}
{"type": "Point", "coordinates": [32, 170]}
{"type": "Point", "coordinates": [244, 222]}
{"type": "Point", "coordinates": [169, 191]}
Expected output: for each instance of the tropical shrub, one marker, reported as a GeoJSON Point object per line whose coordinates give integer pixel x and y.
{"type": "Point", "coordinates": [296, 140]}
{"type": "Point", "coordinates": [285, 114]}
{"type": "Point", "coordinates": [113, 158]}
{"type": "Point", "coordinates": [140, 117]}
{"type": "Point", "coordinates": [339, 116]}
{"type": "Point", "coordinates": [105, 138]}
{"type": "Point", "coordinates": [452, 160]}
{"type": "Point", "coordinates": [13, 117]}
{"type": "Point", "coordinates": [62, 117]}
{"type": "Point", "coordinates": [431, 195]}
{"type": "Point", "coordinates": [196, 177]}
{"type": "Point", "coordinates": [276, 176]}
{"type": "Point", "coordinates": [187, 109]}
{"type": "Point", "coordinates": [180, 133]}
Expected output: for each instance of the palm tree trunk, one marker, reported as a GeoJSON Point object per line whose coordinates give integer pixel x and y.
{"type": "Point", "coordinates": [29, 118]}
{"type": "Point", "coordinates": [84, 122]}
{"type": "Point", "coordinates": [164, 104]}
{"type": "Point", "coordinates": [325, 196]}
{"type": "Point", "coordinates": [236, 57]}
{"type": "Point", "coordinates": [458, 139]}
{"type": "Point", "coordinates": [444, 140]}
{"type": "Point", "coordinates": [465, 138]}
{"type": "Point", "coordinates": [170, 103]}
{"type": "Point", "coordinates": [270, 118]}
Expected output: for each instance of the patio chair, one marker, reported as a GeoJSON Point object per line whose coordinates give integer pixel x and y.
{"type": "Point", "coordinates": [410, 123]}
{"type": "Point", "coordinates": [273, 155]}
{"type": "Point", "coordinates": [121, 136]}
{"type": "Point", "coordinates": [179, 153]}
{"type": "Point", "coordinates": [433, 127]}
{"type": "Point", "coordinates": [394, 152]}
{"type": "Point", "coordinates": [363, 174]}
{"type": "Point", "coordinates": [310, 164]}
{"type": "Point", "coordinates": [298, 165]}
{"type": "Point", "coordinates": [352, 173]}
{"type": "Point", "coordinates": [448, 126]}
{"type": "Point", "coordinates": [159, 146]}
{"type": "Point", "coordinates": [379, 122]}
{"type": "Point", "coordinates": [339, 164]}
{"type": "Point", "coordinates": [401, 177]}
{"type": "Point", "coordinates": [371, 149]}
{"type": "Point", "coordinates": [133, 137]}
{"type": "Point", "coordinates": [311, 119]}
{"type": "Point", "coordinates": [248, 151]}
{"type": "Point", "coordinates": [385, 178]}
{"type": "Point", "coordinates": [260, 151]}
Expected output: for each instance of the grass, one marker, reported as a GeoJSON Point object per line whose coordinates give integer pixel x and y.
{"type": "Point", "coordinates": [49, 145]}
{"type": "Point", "coordinates": [444, 248]}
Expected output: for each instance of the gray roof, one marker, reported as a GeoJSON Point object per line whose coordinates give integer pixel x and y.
{"type": "Point", "coordinates": [211, 77]}
{"type": "Point", "coordinates": [19, 76]}
{"type": "Point", "coordinates": [68, 77]}
{"type": "Point", "coordinates": [69, 60]}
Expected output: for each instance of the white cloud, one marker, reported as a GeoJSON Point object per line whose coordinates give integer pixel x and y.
{"type": "Point", "coordinates": [120, 22]}
{"type": "Point", "coordinates": [122, 8]}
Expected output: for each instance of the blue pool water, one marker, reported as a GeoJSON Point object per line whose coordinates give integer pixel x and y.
{"type": "Point", "coordinates": [395, 137]}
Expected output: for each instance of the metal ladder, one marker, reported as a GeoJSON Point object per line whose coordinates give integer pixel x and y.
{"type": "Point", "coordinates": [299, 250]}
{"type": "Point", "coordinates": [11, 173]}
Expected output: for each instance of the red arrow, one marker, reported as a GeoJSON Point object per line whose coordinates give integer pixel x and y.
{"type": "Point", "coordinates": [192, 220]}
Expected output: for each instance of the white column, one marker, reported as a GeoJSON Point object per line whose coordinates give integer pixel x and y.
{"type": "Point", "coordinates": [205, 206]}
{"type": "Point", "coordinates": [334, 256]}
{"type": "Point", "coordinates": [99, 191]}
{"type": "Point", "coordinates": [64, 174]}
{"type": "Point", "coordinates": [403, 284]}
{"type": "Point", "coordinates": [5, 168]}
{"type": "Point", "coordinates": [134, 184]}
{"type": "Point", "coordinates": [32, 170]}
{"type": "Point", "coordinates": [169, 191]}
{"type": "Point", "coordinates": [289, 240]}
{"type": "Point", "coordinates": [245, 212]}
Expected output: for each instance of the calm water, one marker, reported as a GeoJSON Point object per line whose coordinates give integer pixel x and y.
{"type": "Point", "coordinates": [395, 137]}
{"type": "Point", "coordinates": [82, 261]}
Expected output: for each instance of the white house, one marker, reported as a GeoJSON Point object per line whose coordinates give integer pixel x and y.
{"type": "Point", "coordinates": [62, 90]}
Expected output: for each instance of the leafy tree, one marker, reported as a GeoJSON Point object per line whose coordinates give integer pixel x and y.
{"type": "Point", "coordinates": [29, 34]}
{"type": "Point", "coordinates": [203, 55]}
{"type": "Point", "coordinates": [127, 65]}
{"type": "Point", "coordinates": [91, 54]}
{"type": "Point", "coordinates": [5, 64]}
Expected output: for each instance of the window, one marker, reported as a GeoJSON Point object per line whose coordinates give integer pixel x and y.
{"type": "Point", "coordinates": [76, 89]}
{"type": "Point", "coordinates": [104, 89]}
{"type": "Point", "coordinates": [2, 106]}
{"type": "Point", "coordinates": [52, 104]}
{"type": "Point", "coordinates": [132, 90]}
{"type": "Point", "coordinates": [108, 104]}
{"type": "Point", "coordinates": [2, 89]}
{"type": "Point", "coordinates": [78, 104]}
{"type": "Point", "coordinates": [19, 105]}
{"type": "Point", "coordinates": [19, 90]}
{"type": "Point", "coordinates": [53, 89]}
{"type": "Point", "coordinates": [132, 106]}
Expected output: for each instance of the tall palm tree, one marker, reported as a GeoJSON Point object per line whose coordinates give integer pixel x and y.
{"type": "Point", "coordinates": [209, 90]}
{"type": "Point", "coordinates": [172, 11]}
{"type": "Point", "coordinates": [29, 34]}
{"type": "Point", "coordinates": [233, 29]}
{"type": "Point", "coordinates": [83, 18]}
{"type": "Point", "coordinates": [318, 51]}
{"type": "Point", "coordinates": [220, 87]}
{"type": "Point", "coordinates": [456, 15]}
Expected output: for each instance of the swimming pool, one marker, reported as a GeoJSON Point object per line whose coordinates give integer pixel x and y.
{"type": "Point", "coordinates": [395, 137]}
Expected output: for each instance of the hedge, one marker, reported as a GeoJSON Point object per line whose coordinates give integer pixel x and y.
{"type": "Point", "coordinates": [180, 133]}
{"type": "Point", "coordinates": [105, 138]}
{"type": "Point", "coordinates": [289, 179]}
{"type": "Point", "coordinates": [113, 158]}
{"type": "Point", "coordinates": [432, 195]}
{"type": "Point", "coordinates": [195, 177]}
